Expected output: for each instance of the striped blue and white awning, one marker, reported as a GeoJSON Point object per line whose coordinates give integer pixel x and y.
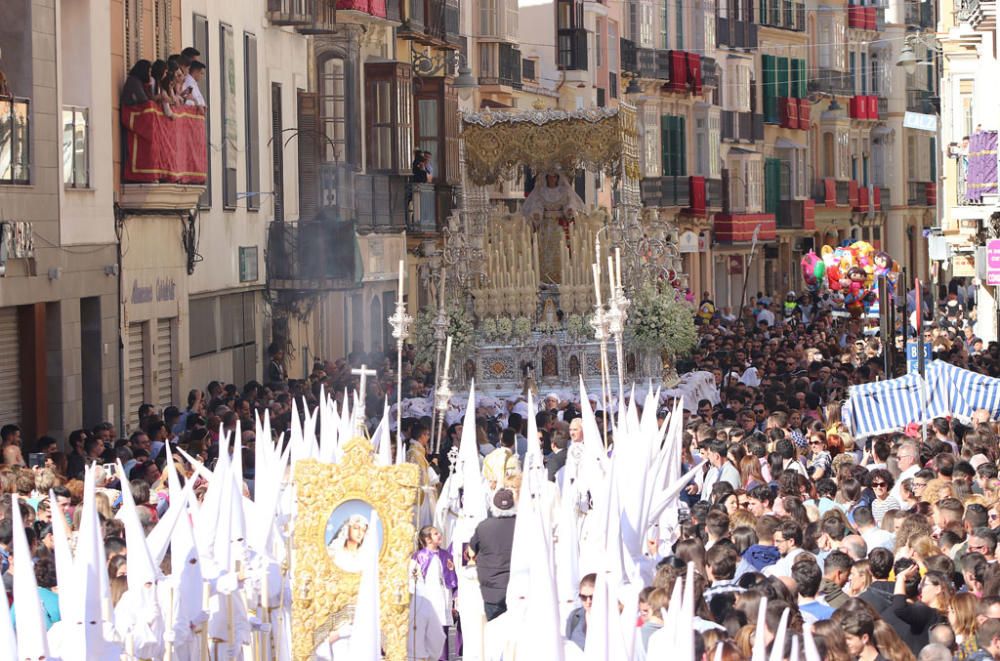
{"type": "Point", "coordinates": [887, 406]}
{"type": "Point", "coordinates": [959, 392]}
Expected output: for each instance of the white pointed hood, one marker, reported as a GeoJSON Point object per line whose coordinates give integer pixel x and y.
{"type": "Point", "coordinates": [141, 570]}
{"type": "Point", "coordinates": [32, 641]}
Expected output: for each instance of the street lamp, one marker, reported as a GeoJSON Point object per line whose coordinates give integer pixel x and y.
{"type": "Point", "coordinates": [907, 59]}
{"type": "Point", "coordinates": [425, 66]}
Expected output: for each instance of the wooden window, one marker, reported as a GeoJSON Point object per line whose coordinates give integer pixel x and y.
{"type": "Point", "coordinates": [436, 126]}
{"type": "Point", "coordinates": [389, 112]}
{"type": "Point", "coordinates": [333, 109]}
{"type": "Point", "coordinates": [252, 121]}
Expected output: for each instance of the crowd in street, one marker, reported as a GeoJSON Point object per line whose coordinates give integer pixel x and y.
{"type": "Point", "coordinates": [883, 547]}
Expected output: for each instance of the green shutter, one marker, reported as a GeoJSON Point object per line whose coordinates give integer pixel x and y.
{"type": "Point", "coordinates": [803, 84]}
{"type": "Point", "coordinates": [680, 147]}
{"type": "Point", "coordinates": [665, 129]}
{"type": "Point", "coordinates": [933, 158]}
{"type": "Point", "coordinates": [782, 66]}
{"type": "Point", "coordinates": [770, 87]}
{"type": "Point", "coordinates": [772, 184]}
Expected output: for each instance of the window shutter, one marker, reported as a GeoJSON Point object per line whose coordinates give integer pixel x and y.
{"type": "Point", "coordinates": [666, 125]}
{"type": "Point", "coordinates": [277, 153]}
{"type": "Point", "coordinates": [803, 84]}
{"type": "Point", "coordinates": [680, 147]}
{"type": "Point", "coordinates": [770, 88]}
{"type": "Point", "coordinates": [782, 66]}
{"type": "Point", "coordinates": [451, 140]}
{"type": "Point", "coordinates": [308, 112]}
{"type": "Point", "coordinates": [772, 184]}
{"type": "Point", "coordinates": [252, 122]}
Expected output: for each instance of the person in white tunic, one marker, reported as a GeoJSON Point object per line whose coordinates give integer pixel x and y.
{"type": "Point", "coordinates": [433, 588]}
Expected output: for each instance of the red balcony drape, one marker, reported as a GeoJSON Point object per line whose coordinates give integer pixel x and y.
{"type": "Point", "coordinates": [164, 150]}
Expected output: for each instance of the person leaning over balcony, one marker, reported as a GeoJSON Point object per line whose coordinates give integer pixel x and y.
{"type": "Point", "coordinates": [134, 91]}
{"type": "Point", "coordinates": [192, 89]}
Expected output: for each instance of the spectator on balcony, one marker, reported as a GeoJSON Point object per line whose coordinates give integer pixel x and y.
{"type": "Point", "coordinates": [136, 85]}
{"type": "Point", "coordinates": [192, 87]}
{"type": "Point", "coordinates": [420, 174]}
{"type": "Point", "coordinates": [428, 166]}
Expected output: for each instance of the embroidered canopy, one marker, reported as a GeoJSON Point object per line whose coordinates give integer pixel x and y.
{"type": "Point", "coordinates": [603, 139]}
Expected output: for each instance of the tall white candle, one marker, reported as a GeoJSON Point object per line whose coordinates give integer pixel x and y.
{"type": "Point", "coordinates": [447, 356]}
{"type": "Point", "coordinates": [618, 267]}
{"type": "Point", "coordinates": [611, 274]}
{"type": "Point", "coordinates": [401, 267]}
{"type": "Point", "coordinates": [597, 282]}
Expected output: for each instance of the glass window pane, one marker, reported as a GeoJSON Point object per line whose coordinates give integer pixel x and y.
{"type": "Point", "coordinates": [21, 141]}
{"type": "Point", "coordinates": [82, 174]}
{"type": "Point", "coordinates": [68, 144]}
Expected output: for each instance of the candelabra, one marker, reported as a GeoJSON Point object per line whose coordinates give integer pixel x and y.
{"type": "Point", "coordinates": [400, 322]}
{"type": "Point", "coordinates": [617, 315]}
{"type": "Point", "coordinates": [441, 400]}
{"type": "Point", "coordinates": [601, 333]}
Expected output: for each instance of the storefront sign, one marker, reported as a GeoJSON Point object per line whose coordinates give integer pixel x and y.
{"type": "Point", "coordinates": [993, 262]}
{"type": "Point", "coordinates": [165, 290]}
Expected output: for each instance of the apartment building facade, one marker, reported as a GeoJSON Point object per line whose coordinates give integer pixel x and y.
{"type": "Point", "coordinates": [969, 107]}
{"type": "Point", "coordinates": [192, 243]}
{"type": "Point", "coordinates": [58, 317]}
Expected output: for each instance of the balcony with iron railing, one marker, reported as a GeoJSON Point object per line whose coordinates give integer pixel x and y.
{"type": "Point", "coordinates": [433, 23]}
{"type": "Point", "coordinates": [310, 255]}
{"type": "Point", "coordinates": [830, 192]}
{"type": "Point", "coordinates": [831, 81]}
{"type": "Point", "coordinates": [670, 191]}
{"type": "Point", "coordinates": [921, 101]}
{"type": "Point", "coordinates": [431, 206]}
{"type": "Point", "coordinates": [323, 18]}
{"type": "Point", "coordinates": [783, 14]}
{"type": "Point", "coordinates": [629, 56]}
{"type": "Point", "coordinates": [920, 14]}
{"type": "Point", "coordinates": [742, 126]}
{"type": "Point", "coordinates": [795, 214]}
{"type": "Point", "coordinates": [921, 193]}
{"type": "Point", "coordinates": [704, 194]}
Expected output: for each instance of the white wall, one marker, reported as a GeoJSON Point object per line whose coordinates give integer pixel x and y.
{"type": "Point", "coordinates": [84, 79]}
{"type": "Point", "coordinates": [281, 58]}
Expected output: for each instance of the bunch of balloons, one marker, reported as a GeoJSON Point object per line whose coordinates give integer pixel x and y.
{"type": "Point", "coordinates": [852, 271]}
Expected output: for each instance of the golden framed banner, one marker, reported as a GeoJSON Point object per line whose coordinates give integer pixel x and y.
{"type": "Point", "coordinates": [334, 503]}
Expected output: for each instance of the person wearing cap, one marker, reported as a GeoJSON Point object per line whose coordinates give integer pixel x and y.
{"type": "Point", "coordinates": [490, 548]}
{"type": "Point", "coordinates": [791, 304]}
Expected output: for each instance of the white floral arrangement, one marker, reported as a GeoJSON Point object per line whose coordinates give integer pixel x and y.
{"type": "Point", "coordinates": [504, 328]}
{"type": "Point", "coordinates": [488, 329]}
{"type": "Point", "coordinates": [460, 328]}
{"type": "Point", "coordinates": [522, 329]}
{"type": "Point", "coordinates": [660, 320]}
{"type": "Point", "coordinates": [578, 328]}
{"type": "Point", "coordinates": [548, 327]}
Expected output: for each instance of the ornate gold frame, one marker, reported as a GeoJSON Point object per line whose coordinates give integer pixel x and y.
{"type": "Point", "coordinates": [322, 590]}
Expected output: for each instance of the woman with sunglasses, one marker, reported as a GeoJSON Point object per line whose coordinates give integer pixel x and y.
{"type": "Point", "coordinates": [881, 484]}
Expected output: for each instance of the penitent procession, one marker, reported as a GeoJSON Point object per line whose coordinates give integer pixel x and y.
{"type": "Point", "coordinates": [555, 330]}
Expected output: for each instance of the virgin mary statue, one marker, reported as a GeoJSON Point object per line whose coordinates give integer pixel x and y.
{"type": "Point", "coordinates": [552, 207]}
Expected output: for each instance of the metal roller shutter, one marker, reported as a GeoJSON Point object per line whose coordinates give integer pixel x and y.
{"type": "Point", "coordinates": [10, 372]}
{"type": "Point", "coordinates": [164, 363]}
{"type": "Point", "coordinates": [136, 366]}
